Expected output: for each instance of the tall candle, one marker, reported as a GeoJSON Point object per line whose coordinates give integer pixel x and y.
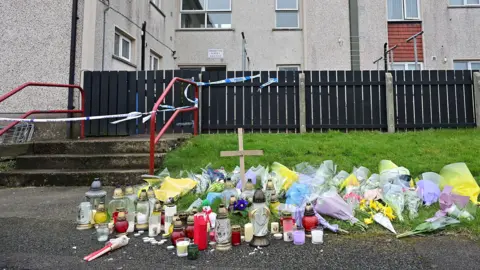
{"type": "Point", "coordinates": [248, 232]}
{"type": "Point", "coordinates": [274, 227]}
{"type": "Point", "coordinates": [131, 222]}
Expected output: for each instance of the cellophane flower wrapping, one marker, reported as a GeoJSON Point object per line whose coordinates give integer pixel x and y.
{"type": "Point", "coordinates": [306, 168]}
{"type": "Point", "coordinates": [428, 191]}
{"type": "Point", "coordinates": [426, 227]}
{"type": "Point", "coordinates": [338, 179]}
{"type": "Point", "coordinates": [288, 175]}
{"type": "Point", "coordinates": [332, 205]}
{"type": "Point", "coordinates": [373, 182]}
{"type": "Point", "coordinates": [297, 194]}
{"type": "Point", "coordinates": [393, 195]}
{"type": "Point", "coordinates": [412, 202]}
{"type": "Point", "coordinates": [459, 177]}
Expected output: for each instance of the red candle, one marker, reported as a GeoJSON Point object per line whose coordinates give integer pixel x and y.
{"type": "Point", "coordinates": [200, 231]}
{"type": "Point", "coordinates": [236, 235]}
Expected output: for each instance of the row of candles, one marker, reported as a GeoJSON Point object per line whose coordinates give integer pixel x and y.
{"type": "Point", "coordinates": [126, 213]}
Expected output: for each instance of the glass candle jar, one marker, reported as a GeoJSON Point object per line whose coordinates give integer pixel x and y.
{"type": "Point", "coordinates": [193, 252]}
{"type": "Point", "coordinates": [102, 232]}
{"type": "Point", "coordinates": [299, 236]}
{"type": "Point", "coordinates": [274, 227]}
{"type": "Point", "coordinates": [236, 235]}
{"type": "Point", "coordinates": [317, 235]}
{"type": "Point", "coordinates": [182, 246]}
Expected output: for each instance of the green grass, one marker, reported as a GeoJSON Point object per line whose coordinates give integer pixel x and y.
{"type": "Point", "coordinates": [6, 165]}
{"type": "Point", "coordinates": [418, 151]}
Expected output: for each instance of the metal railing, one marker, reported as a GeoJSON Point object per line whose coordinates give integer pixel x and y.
{"type": "Point", "coordinates": [154, 139]}
{"type": "Point", "coordinates": [25, 115]}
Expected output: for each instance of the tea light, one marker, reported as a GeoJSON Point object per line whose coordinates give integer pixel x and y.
{"type": "Point", "coordinates": [278, 236]}
{"type": "Point", "coordinates": [274, 227]}
{"type": "Point", "coordinates": [248, 232]}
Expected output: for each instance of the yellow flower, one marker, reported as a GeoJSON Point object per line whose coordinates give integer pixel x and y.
{"type": "Point", "coordinates": [368, 221]}
{"type": "Point", "coordinates": [388, 212]}
{"type": "Point", "coordinates": [373, 205]}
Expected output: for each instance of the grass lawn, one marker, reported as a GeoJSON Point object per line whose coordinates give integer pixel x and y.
{"type": "Point", "coordinates": [420, 152]}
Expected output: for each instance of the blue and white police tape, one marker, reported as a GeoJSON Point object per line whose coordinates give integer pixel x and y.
{"type": "Point", "coordinates": [126, 116]}
{"type": "Point", "coordinates": [271, 81]}
{"type": "Point", "coordinates": [230, 80]}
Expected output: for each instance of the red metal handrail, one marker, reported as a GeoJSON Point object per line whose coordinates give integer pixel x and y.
{"type": "Point", "coordinates": [25, 115]}
{"type": "Point", "coordinates": [154, 139]}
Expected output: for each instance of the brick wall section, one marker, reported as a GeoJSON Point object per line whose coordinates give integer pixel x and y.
{"type": "Point", "coordinates": [398, 32]}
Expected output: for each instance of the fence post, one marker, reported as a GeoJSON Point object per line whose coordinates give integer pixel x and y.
{"type": "Point", "coordinates": [476, 90]}
{"type": "Point", "coordinates": [301, 97]}
{"type": "Point", "coordinates": [200, 105]}
{"type": "Point", "coordinates": [390, 96]}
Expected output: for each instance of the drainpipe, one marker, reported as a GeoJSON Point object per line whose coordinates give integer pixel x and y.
{"type": "Point", "coordinates": [103, 42]}
{"type": "Point", "coordinates": [144, 34]}
{"type": "Point", "coordinates": [73, 52]}
{"type": "Point", "coordinates": [354, 35]}
{"type": "Point", "coordinates": [305, 47]}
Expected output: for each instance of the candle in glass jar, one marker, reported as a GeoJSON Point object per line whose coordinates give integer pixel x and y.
{"type": "Point", "coordinates": [248, 232]}
{"type": "Point", "coordinates": [182, 247]}
{"type": "Point", "coordinates": [236, 235]}
{"type": "Point", "coordinates": [299, 236]}
{"type": "Point", "coordinates": [274, 227]}
{"type": "Point", "coordinates": [317, 235]}
{"type": "Point", "coordinates": [141, 218]}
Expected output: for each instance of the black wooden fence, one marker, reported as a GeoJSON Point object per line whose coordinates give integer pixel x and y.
{"type": "Point", "coordinates": [342, 100]}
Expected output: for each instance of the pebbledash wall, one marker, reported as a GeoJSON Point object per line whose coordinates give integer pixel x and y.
{"type": "Point", "coordinates": [35, 42]}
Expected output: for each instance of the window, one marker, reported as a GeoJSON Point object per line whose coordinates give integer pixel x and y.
{"type": "Point", "coordinates": [466, 65]}
{"type": "Point", "coordinates": [406, 66]}
{"type": "Point", "coordinates": [203, 68]}
{"type": "Point", "coordinates": [154, 61]}
{"type": "Point", "coordinates": [288, 68]}
{"type": "Point", "coordinates": [463, 2]}
{"type": "Point", "coordinates": [286, 14]}
{"type": "Point", "coordinates": [206, 14]}
{"type": "Point", "coordinates": [399, 10]}
{"type": "Point", "coordinates": [123, 46]}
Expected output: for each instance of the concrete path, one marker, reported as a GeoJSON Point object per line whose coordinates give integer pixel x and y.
{"type": "Point", "coordinates": [37, 231]}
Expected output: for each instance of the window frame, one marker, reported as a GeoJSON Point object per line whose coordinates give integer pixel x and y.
{"type": "Point", "coordinates": [404, 13]}
{"type": "Point", "coordinates": [205, 11]}
{"type": "Point", "coordinates": [154, 55]}
{"type": "Point", "coordinates": [405, 64]}
{"type": "Point", "coordinates": [123, 36]}
{"type": "Point", "coordinates": [157, 3]}
{"type": "Point", "coordinates": [465, 4]}
{"type": "Point", "coordinates": [201, 67]}
{"type": "Point", "coordinates": [297, 66]}
{"type": "Point", "coordinates": [469, 63]}
{"type": "Point", "coordinates": [287, 10]}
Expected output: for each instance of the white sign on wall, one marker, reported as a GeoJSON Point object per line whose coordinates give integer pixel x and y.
{"type": "Point", "coordinates": [215, 53]}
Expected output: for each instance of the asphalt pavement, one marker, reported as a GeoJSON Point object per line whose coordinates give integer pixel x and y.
{"type": "Point", "coordinates": [37, 231]}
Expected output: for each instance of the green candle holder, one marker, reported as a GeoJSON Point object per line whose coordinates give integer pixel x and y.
{"type": "Point", "coordinates": [193, 252]}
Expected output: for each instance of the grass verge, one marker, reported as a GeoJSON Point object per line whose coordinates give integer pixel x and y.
{"type": "Point", "coordinates": [420, 152]}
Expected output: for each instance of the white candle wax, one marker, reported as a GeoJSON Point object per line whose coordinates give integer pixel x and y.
{"type": "Point", "coordinates": [317, 236]}
{"type": "Point", "coordinates": [274, 227]}
{"type": "Point", "coordinates": [248, 232]}
{"type": "Point", "coordinates": [141, 218]}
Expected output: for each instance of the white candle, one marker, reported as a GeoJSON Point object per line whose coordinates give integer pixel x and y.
{"type": "Point", "coordinates": [288, 236]}
{"type": "Point", "coordinates": [248, 232]}
{"type": "Point", "coordinates": [317, 236]}
{"type": "Point", "coordinates": [274, 227]}
{"type": "Point", "coordinates": [141, 218]}
{"type": "Point", "coordinates": [131, 222]}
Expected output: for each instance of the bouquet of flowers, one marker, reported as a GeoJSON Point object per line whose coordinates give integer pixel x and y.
{"type": "Point", "coordinates": [379, 213]}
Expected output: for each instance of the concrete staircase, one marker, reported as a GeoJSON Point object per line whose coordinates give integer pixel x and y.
{"type": "Point", "coordinates": [77, 162]}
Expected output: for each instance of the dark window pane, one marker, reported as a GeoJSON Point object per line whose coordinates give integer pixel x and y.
{"type": "Point", "coordinates": [125, 49]}
{"type": "Point", "coordinates": [196, 69]}
{"type": "Point", "coordinates": [218, 5]}
{"type": "Point", "coordinates": [216, 68]}
{"type": "Point", "coordinates": [287, 19]}
{"type": "Point", "coordinates": [193, 4]}
{"type": "Point", "coordinates": [193, 20]}
{"type": "Point", "coordinates": [219, 20]}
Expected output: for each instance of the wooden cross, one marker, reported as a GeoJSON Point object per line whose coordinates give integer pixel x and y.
{"type": "Point", "coordinates": [242, 154]}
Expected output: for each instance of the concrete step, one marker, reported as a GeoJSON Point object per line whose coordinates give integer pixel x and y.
{"type": "Point", "coordinates": [109, 177]}
{"type": "Point", "coordinates": [107, 145]}
{"type": "Point", "coordinates": [87, 162]}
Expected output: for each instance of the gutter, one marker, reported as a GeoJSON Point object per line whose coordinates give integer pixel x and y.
{"type": "Point", "coordinates": [103, 41]}
{"type": "Point", "coordinates": [73, 53]}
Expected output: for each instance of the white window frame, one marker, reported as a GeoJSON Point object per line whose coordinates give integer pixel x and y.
{"type": "Point", "coordinates": [154, 55]}
{"type": "Point", "coordinates": [465, 4]}
{"type": "Point", "coordinates": [297, 9]}
{"type": "Point", "coordinates": [469, 63]}
{"type": "Point", "coordinates": [288, 66]}
{"type": "Point", "coordinates": [205, 11]}
{"type": "Point", "coordinates": [404, 13]}
{"type": "Point", "coordinates": [405, 64]}
{"type": "Point", "coordinates": [157, 3]}
{"type": "Point", "coordinates": [122, 37]}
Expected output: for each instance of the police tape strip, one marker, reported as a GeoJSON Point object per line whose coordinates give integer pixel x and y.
{"type": "Point", "coordinates": [229, 80]}
{"type": "Point", "coordinates": [126, 116]}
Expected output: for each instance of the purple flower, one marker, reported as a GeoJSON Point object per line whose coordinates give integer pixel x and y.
{"type": "Point", "coordinates": [240, 205]}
